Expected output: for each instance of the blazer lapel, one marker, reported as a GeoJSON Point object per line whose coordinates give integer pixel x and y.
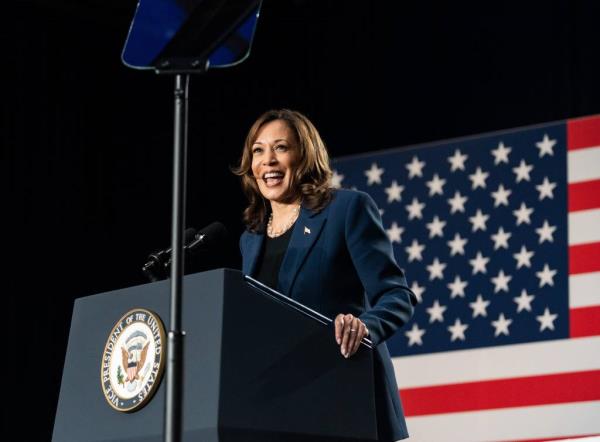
{"type": "Point", "coordinates": [305, 234]}
{"type": "Point", "coordinates": [253, 246]}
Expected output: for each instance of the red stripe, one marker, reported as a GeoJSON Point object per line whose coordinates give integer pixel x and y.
{"type": "Point", "coordinates": [584, 195]}
{"type": "Point", "coordinates": [502, 393]}
{"type": "Point", "coordinates": [580, 436]}
{"type": "Point", "coordinates": [584, 258]}
{"type": "Point", "coordinates": [584, 321]}
{"type": "Point", "coordinates": [583, 132]}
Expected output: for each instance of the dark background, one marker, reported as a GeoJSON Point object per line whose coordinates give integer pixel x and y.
{"type": "Point", "coordinates": [86, 142]}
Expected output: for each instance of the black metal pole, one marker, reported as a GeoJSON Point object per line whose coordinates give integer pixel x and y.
{"type": "Point", "coordinates": [174, 372]}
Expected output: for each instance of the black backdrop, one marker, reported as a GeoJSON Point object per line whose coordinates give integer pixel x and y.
{"type": "Point", "coordinates": [86, 142]}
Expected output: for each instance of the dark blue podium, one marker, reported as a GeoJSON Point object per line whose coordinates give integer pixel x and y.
{"type": "Point", "coordinates": [258, 367]}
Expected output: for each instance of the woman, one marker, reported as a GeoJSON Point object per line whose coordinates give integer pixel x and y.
{"type": "Point", "coordinates": [325, 248]}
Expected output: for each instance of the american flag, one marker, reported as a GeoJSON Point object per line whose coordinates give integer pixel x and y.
{"type": "Point", "coordinates": [499, 235]}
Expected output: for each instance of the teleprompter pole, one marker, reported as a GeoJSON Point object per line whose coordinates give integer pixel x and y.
{"type": "Point", "coordinates": [174, 372]}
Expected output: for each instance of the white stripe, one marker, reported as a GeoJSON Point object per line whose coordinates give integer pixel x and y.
{"type": "Point", "coordinates": [546, 421]}
{"type": "Point", "coordinates": [583, 164]}
{"type": "Point", "coordinates": [584, 290]}
{"type": "Point", "coordinates": [584, 227]}
{"type": "Point", "coordinates": [498, 362]}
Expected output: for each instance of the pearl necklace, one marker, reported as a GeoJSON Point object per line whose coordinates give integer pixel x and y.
{"type": "Point", "coordinates": [274, 234]}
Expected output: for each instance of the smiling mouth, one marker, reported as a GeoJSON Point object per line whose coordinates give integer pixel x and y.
{"type": "Point", "coordinates": [273, 178]}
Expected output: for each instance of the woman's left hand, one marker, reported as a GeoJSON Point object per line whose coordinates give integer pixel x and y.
{"type": "Point", "coordinates": [349, 331]}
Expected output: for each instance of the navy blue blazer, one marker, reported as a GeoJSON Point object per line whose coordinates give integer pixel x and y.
{"type": "Point", "coordinates": [340, 260]}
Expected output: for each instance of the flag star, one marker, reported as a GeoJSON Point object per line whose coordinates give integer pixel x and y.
{"type": "Point", "coordinates": [501, 281]}
{"type": "Point", "coordinates": [436, 185]}
{"type": "Point", "coordinates": [436, 269]}
{"type": "Point", "coordinates": [415, 251]}
{"type": "Point", "coordinates": [436, 227]}
{"type": "Point", "coordinates": [523, 214]}
{"type": "Point", "coordinates": [415, 168]}
{"type": "Point", "coordinates": [545, 146]}
{"type": "Point", "coordinates": [478, 221]}
{"type": "Point", "coordinates": [546, 320]}
{"type": "Point", "coordinates": [546, 232]}
{"type": "Point", "coordinates": [418, 290]}
{"type": "Point", "coordinates": [478, 179]}
{"type": "Point", "coordinates": [415, 335]}
{"type": "Point", "coordinates": [546, 276]}
{"type": "Point", "coordinates": [457, 245]}
{"type": "Point", "coordinates": [374, 174]}
{"type": "Point", "coordinates": [501, 325]}
{"type": "Point", "coordinates": [546, 189]}
{"type": "Point", "coordinates": [457, 202]}
{"type": "Point", "coordinates": [381, 212]}
{"type": "Point", "coordinates": [479, 306]}
{"type": "Point", "coordinates": [415, 209]}
{"type": "Point", "coordinates": [457, 161]}
{"type": "Point", "coordinates": [523, 257]}
{"type": "Point", "coordinates": [522, 171]}
{"type": "Point", "coordinates": [436, 312]}
{"type": "Point", "coordinates": [501, 196]}
{"type": "Point", "coordinates": [336, 180]}
{"type": "Point", "coordinates": [457, 330]}
{"type": "Point", "coordinates": [479, 263]}
{"type": "Point", "coordinates": [394, 192]}
{"type": "Point", "coordinates": [394, 233]}
{"type": "Point", "coordinates": [501, 154]}
{"type": "Point", "coordinates": [501, 238]}
{"type": "Point", "coordinates": [523, 301]}
{"type": "Point", "coordinates": [457, 287]}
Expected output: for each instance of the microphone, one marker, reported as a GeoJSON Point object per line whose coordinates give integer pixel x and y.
{"type": "Point", "coordinates": [211, 235]}
{"type": "Point", "coordinates": [158, 262]}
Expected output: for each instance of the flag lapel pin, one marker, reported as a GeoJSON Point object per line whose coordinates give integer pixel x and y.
{"type": "Point", "coordinates": [306, 230]}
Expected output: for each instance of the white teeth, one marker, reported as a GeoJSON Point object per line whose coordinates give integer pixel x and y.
{"type": "Point", "coordinates": [272, 175]}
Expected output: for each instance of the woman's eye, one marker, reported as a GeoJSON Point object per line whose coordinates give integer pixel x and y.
{"type": "Point", "coordinates": [281, 147]}
{"type": "Point", "coordinates": [256, 150]}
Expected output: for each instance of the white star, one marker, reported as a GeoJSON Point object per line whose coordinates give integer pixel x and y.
{"type": "Point", "coordinates": [457, 245]}
{"type": "Point", "coordinates": [394, 192]}
{"type": "Point", "coordinates": [436, 312]}
{"type": "Point", "coordinates": [415, 209]}
{"type": "Point", "coordinates": [415, 335]}
{"type": "Point", "coordinates": [478, 179]}
{"type": "Point", "coordinates": [457, 287]}
{"type": "Point", "coordinates": [501, 154]}
{"type": "Point", "coordinates": [479, 306]}
{"type": "Point", "coordinates": [394, 233]}
{"type": "Point", "coordinates": [546, 189]}
{"type": "Point", "coordinates": [523, 257]}
{"type": "Point", "coordinates": [457, 161]}
{"type": "Point", "coordinates": [501, 281]}
{"type": "Point", "coordinates": [336, 180]}
{"type": "Point", "coordinates": [546, 276]}
{"type": "Point", "coordinates": [523, 301]}
{"type": "Point", "coordinates": [457, 202]}
{"type": "Point", "coordinates": [374, 174]}
{"type": "Point", "coordinates": [522, 171]}
{"type": "Point", "coordinates": [415, 251]}
{"type": "Point", "coordinates": [501, 325]}
{"type": "Point", "coordinates": [545, 146]}
{"type": "Point", "coordinates": [546, 232]}
{"type": "Point", "coordinates": [546, 320]}
{"type": "Point", "coordinates": [478, 221]}
{"type": "Point", "coordinates": [436, 269]}
{"type": "Point", "coordinates": [523, 214]}
{"type": "Point", "coordinates": [479, 263]}
{"type": "Point", "coordinates": [436, 227]}
{"type": "Point", "coordinates": [415, 168]}
{"type": "Point", "coordinates": [457, 330]}
{"type": "Point", "coordinates": [418, 290]}
{"type": "Point", "coordinates": [501, 239]}
{"type": "Point", "coordinates": [501, 196]}
{"type": "Point", "coordinates": [436, 185]}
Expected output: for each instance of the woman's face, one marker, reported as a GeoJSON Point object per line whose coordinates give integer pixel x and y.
{"type": "Point", "coordinates": [274, 158]}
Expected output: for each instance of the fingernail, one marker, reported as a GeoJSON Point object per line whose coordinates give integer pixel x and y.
{"type": "Point", "coordinates": [338, 340]}
{"type": "Point", "coordinates": [343, 350]}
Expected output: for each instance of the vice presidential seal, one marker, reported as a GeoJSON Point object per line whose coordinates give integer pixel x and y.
{"type": "Point", "coordinates": [133, 360]}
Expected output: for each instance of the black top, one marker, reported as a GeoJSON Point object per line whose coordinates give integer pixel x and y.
{"type": "Point", "coordinates": [271, 258]}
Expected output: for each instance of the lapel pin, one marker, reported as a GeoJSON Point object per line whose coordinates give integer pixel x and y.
{"type": "Point", "coordinates": [306, 230]}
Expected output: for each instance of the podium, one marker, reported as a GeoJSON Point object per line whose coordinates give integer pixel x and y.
{"type": "Point", "coordinates": [257, 367]}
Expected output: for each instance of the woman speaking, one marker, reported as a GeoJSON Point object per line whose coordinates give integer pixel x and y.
{"type": "Point", "coordinates": [323, 247]}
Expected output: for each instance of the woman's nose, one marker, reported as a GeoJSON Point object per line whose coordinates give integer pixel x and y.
{"type": "Point", "coordinates": [270, 157]}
